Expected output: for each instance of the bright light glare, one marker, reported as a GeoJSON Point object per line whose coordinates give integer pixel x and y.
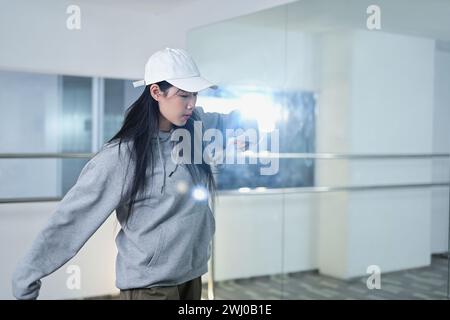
{"type": "Point", "coordinates": [260, 108]}
{"type": "Point", "coordinates": [182, 186]}
{"type": "Point", "coordinates": [200, 194]}
{"type": "Point", "coordinates": [252, 105]}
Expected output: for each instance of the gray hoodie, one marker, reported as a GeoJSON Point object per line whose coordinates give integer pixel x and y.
{"type": "Point", "coordinates": [166, 240]}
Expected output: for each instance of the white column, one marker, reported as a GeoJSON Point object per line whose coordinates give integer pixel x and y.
{"type": "Point", "coordinates": [376, 97]}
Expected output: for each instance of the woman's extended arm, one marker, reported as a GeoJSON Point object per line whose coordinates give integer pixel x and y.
{"type": "Point", "coordinates": [80, 213]}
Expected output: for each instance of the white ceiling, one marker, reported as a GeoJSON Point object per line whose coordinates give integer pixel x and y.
{"type": "Point", "coordinates": [155, 6]}
{"type": "Point", "coordinates": [430, 18]}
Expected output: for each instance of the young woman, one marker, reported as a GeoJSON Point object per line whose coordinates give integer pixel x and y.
{"type": "Point", "coordinates": [166, 227]}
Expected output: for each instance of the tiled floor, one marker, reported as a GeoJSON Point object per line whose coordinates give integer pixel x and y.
{"type": "Point", "coordinates": [422, 283]}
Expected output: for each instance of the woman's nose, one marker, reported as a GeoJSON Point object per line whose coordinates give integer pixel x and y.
{"type": "Point", "coordinates": [191, 103]}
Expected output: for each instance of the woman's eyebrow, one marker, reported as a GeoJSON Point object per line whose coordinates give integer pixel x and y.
{"type": "Point", "coordinates": [186, 92]}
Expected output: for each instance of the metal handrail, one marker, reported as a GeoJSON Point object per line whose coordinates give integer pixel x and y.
{"type": "Point", "coordinates": [301, 155]}
{"type": "Point", "coordinates": [257, 191]}
{"type": "Point", "coordinates": [45, 155]}
{"type": "Point", "coordinates": [286, 155]}
{"type": "Point", "coordinates": [271, 191]}
{"type": "Point", "coordinates": [30, 199]}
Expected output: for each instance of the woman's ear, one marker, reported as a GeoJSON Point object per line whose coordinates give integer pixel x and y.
{"type": "Point", "coordinates": [154, 91]}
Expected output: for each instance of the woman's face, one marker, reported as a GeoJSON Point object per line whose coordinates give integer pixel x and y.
{"type": "Point", "coordinates": [175, 106]}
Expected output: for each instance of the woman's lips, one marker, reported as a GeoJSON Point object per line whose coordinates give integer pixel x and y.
{"type": "Point", "coordinates": [186, 116]}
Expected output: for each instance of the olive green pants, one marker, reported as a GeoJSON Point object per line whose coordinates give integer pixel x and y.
{"type": "Point", "coordinates": [191, 290]}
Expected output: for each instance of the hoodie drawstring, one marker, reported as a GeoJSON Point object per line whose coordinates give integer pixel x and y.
{"type": "Point", "coordinates": [161, 160]}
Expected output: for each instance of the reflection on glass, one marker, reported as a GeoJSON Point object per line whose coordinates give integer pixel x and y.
{"type": "Point", "coordinates": [290, 112]}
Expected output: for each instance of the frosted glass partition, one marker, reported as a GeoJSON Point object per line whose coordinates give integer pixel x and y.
{"type": "Point", "coordinates": [358, 208]}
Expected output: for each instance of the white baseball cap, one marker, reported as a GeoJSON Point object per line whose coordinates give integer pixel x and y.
{"type": "Point", "coordinates": [177, 67]}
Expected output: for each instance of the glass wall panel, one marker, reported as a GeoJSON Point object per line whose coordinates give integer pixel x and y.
{"type": "Point", "coordinates": [53, 114]}
{"type": "Point", "coordinates": [76, 126]}
{"type": "Point", "coordinates": [119, 95]}
{"type": "Point", "coordinates": [249, 242]}
{"type": "Point", "coordinates": [43, 114]}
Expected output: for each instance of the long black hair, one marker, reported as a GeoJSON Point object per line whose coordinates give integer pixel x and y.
{"type": "Point", "coordinates": [141, 123]}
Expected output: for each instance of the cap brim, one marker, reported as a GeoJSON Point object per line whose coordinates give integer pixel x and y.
{"type": "Point", "coordinates": [193, 84]}
{"type": "Point", "coordinates": [138, 83]}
